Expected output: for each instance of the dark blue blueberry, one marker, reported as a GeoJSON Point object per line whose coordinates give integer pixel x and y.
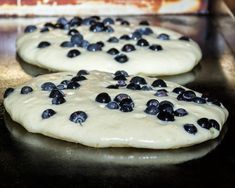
{"type": "Point", "coordinates": [184, 38]}
{"type": "Point", "coordinates": [58, 26]}
{"type": "Point", "coordinates": [76, 39]}
{"type": "Point", "coordinates": [121, 58]}
{"type": "Point", "coordinates": [67, 44]}
{"type": "Point", "coordinates": [180, 112]}
{"type": "Point", "coordinates": [145, 31]}
{"type": "Point", "coordinates": [75, 21]}
{"type": "Point", "coordinates": [44, 30]}
{"type": "Point", "coordinates": [7, 92]}
{"type": "Point", "coordinates": [82, 72]}
{"type": "Point", "coordinates": [144, 22]}
{"type": "Point", "coordinates": [73, 32]}
{"type": "Point", "coordinates": [94, 47]}
{"type": "Point", "coordinates": [152, 110]}
{"type": "Point", "coordinates": [204, 123]}
{"type": "Point", "coordinates": [26, 90]}
{"type": "Point", "coordinates": [58, 100]}
{"type": "Point", "coordinates": [146, 88]}
{"type": "Point", "coordinates": [103, 98]}
{"type": "Point", "coordinates": [163, 36]}
{"type": "Point", "coordinates": [124, 22]}
{"type": "Point", "coordinates": [199, 100]}
{"type": "Point", "coordinates": [30, 29]}
{"type": "Point", "coordinates": [153, 102]}
{"type": "Point", "coordinates": [73, 53]}
{"type": "Point", "coordinates": [48, 86]}
{"type": "Point", "coordinates": [109, 29]}
{"type": "Point", "coordinates": [138, 80]}
{"type": "Point", "coordinates": [121, 83]}
{"type": "Point", "coordinates": [61, 86]}
{"type": "Point", "coordinates": [121, 72]}
{"type": "Point", "coordinates": [78, 78]}
{"type": "Point", "coordinates": [113, 87]}
{"type": "Point", "coordinates": [49, 25]}
{"type": "Point", "coordinates": [126, 108]}
{"type": "Point", "coordinates": [121, 97]}
{"type": "Point", "coordinates": [155, 47]}
{"type": "Point", "coordinates": [159, 83]}
{"type": "Point", "coordinates": [161, 93]}
{"type": "Point", "coordinates": [166, 106]}
{"type": "Point", "coordinates": [142, 42]}
{"type": "Point", "coordinates": [133, 86]}
{"type": "Point", "coordinates": [73, 85]}
{"type": "Point", "coordinates": [127, 101]}
{"type": "Point", "coordinates": [214, 101]}
{"type": "Point", "coordinates": [178, 90]}
{"type": "Point", "coordinates": [56, 93]}
{"type": "Point", "coordinates": [88, 21]}
{"type": "Point", "coordinates": [84, 44]}
{"type": "Point", "coordinates": [78, 117]}
{"type": "Point", "coordinates": [128, 48]}
{"type": "Point", "coordinates": [136, 35]}
{"type": "Point", "coordinates": [113, 40]}
{"type": "Point", "coordinates": [108, 21]}
{"type": "Point", "coordinates": [95, 17]}
{"type": "Point", "coordinates": [101, 44]}
{"type": "Point", "coordinates": [214, 124]}
{"type": "Point", "coordinates": [62, 21]}
{"type": "Point", "coordinates": [120, 77]}
{"type": "Point", "coordinates": [125, 37]}
{"type": "Point", "coordinates": [165, 116]}
{"type": "Point", "coordinates": [119, 19]}
{"type": "Point", "coordinates": [112, 105]}
{"type": "Point", "coordinates": [186, 96]}
{"type": "Point", "coordinates": [113, 51]}
{"type": "Point", "coordinates": [97, 27]}
{"type": "Point", "coordinates": [190, 128]}
{"type": "Point", "coordinates": [43, 44]}
{"type": "Point", "coordinates": [48, 113]}
{"type": "Point", "coordinates": [65, 82]}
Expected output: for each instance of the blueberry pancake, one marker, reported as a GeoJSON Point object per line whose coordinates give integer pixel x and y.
{"type": "Point", "coordinates": [107, 45]}
{"type": "Point", "coordinates": [101, 109]}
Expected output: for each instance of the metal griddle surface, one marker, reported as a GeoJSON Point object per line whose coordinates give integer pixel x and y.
{"type": "Point", "coordinates": [28, 160]}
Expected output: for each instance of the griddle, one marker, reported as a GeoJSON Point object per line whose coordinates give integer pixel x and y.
{"type": "Point", "coordinates": [32, 160]}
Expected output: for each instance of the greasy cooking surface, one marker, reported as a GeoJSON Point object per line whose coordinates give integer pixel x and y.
{"type": "Point", "coordinates": [33, 160]}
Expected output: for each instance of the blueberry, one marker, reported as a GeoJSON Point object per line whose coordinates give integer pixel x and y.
{"type": "Point", "coordinates": [113, 40]}
{"type": "Point", "coordinates": [112, 105]}
{"type": "Point", "coordinates": [61, 86]}
{"type": "Point", "coordinates": [178, 90]}
{"type": "Point", "coordinates": [88, 21]}
{"type": "Point", "coordinates": [159, 83]}
{"type": "Point", "coordinates": [120, 77]}
{"type": "Point", "coordinates": [97, 27]}
{"type": "Point", "coordinates": [82, 72]}
{"type": "Point", "coordinates": [73, 85]}
{"type": "Point", "coordinates": [78, 78]}
{"type": "Point", "coordinates": [127, 102]}
{"type": "Point", "coordinates": [113, 51]}
{"type": "Point", "coordinates": [146, 88]}
{"type": "Point", "coordinates": [214, 124]}
{"type": "Point", "coordinates": [65, 82]}
{"type": "Point", "coordinates": [144, 22]}
{"type": "Point", "coordinates": [58, 100]}
{"type": "Point", "coordinates": [142, 42]}
{"type": "Point", "coordinates": [108, 21]}
{"type": "Point", "coordinates": [204, 123]}
{"type": "Point", "coordinates": [78, 117]}
{"type": "Point", "coordinates": [214, 101]}
{"type": "Point", "coordinates": [73, 32]}
{"type": "Point", "coordinates": [44, 30]}
{"type": "Point", "coordinates": [48, 86]}
{"type": "Point", "coordinates": [75, 21]}
{"type": "Point", "coordinates": [95, 17]}
{"type": "Point", "coordinates": [186, 96]}
{"type": "Point", "coordinates": [103, 98]}
{"type": "Point", "coordinates": [59, 26]}
{"type": "Point", "coordinates": [155, 47]}
{"type": "Point", "coordinates": [125, 37]}
{"type": "Point", "coordinates": [128, 48]}
{"type": "Point", "coordinates": [84, 44]}
{"type": "Point", "coordinates": [136, 35]}
{"type": "Point", "coordinates": [199, 100]}
{"type": "Point", "coordinates": [153, 102]}
{"type": "Point", "coordinates": [165, 116]}
{"type": "Point", "coordinates": [109, 29]}
{"type": "Point", "coordinates": [62, 21]}
{"type": "Point", "coordinates": [121, 58]}
{"type": "Point", "coordinates": [138, 80]}
{"type": "Point", "coordinates": [121, 97]}
{"type": "Point", "coordinates": [184, 38]}
{"type": "Point", "coordinates": [119, 19]}
{"type": "Point", "coordinates": [166, 106]}
{"type": "Point", "coordinates": [7, 92]}
{"type": "Point", "coordinates": [121, 83]}
{"type": "Point", "coordinates": [67, 44]}
{"type": "Point", "coordinates": [73, 53]}
{"type": "Point", "coordinates": [124, 22]}
{"type": "Point", "coordinates": [161, 93]}
{"type": "Point", "coordinates": [56, 93]}
{"type": "Point", "coordinates": [48, 113]}
{"type": "Point", "coordinates": [30, 29]}
{"type": "Point", "coordinates": [152, 110]}
{"type": "Point", "coordinates": [163, 36]}
{"type": "Point", "coordinates": [190, 128]}
{"type": "Point", "coordinates": [49, 25]}
{"type": "Point", "coordinates": [94, 47]}
{"type": "Point", "coordinates": [76, 39]}
{"type": "Point", "coordinates": [126, 108]}
{"type": "Point", "coordinates": [43, 44]}
{"type": "Point", "coordinates": [121, 72]}
{"type": "Point", "coordinates": [26, 90]}
{"type": "Point", "coordinates": [133, 86]}
{"type": "Point", "coordinates": [113, 87]}
{"type": "Point", "coordinates": [180, 112]}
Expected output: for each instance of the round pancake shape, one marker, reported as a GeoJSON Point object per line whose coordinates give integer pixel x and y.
{"type": "Point", "coordinates": [101, 109]}
{"type": "Point", "coordinates": [107, 45]}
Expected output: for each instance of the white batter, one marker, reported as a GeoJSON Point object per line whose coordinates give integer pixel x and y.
{"type": "Point", "coordinates": [105, 127]}
{"type": "Point", "coordinates": [177, 56]}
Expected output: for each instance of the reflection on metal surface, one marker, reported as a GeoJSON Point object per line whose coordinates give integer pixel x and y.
{"type": "Point", "coordinates": [66, 152]}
